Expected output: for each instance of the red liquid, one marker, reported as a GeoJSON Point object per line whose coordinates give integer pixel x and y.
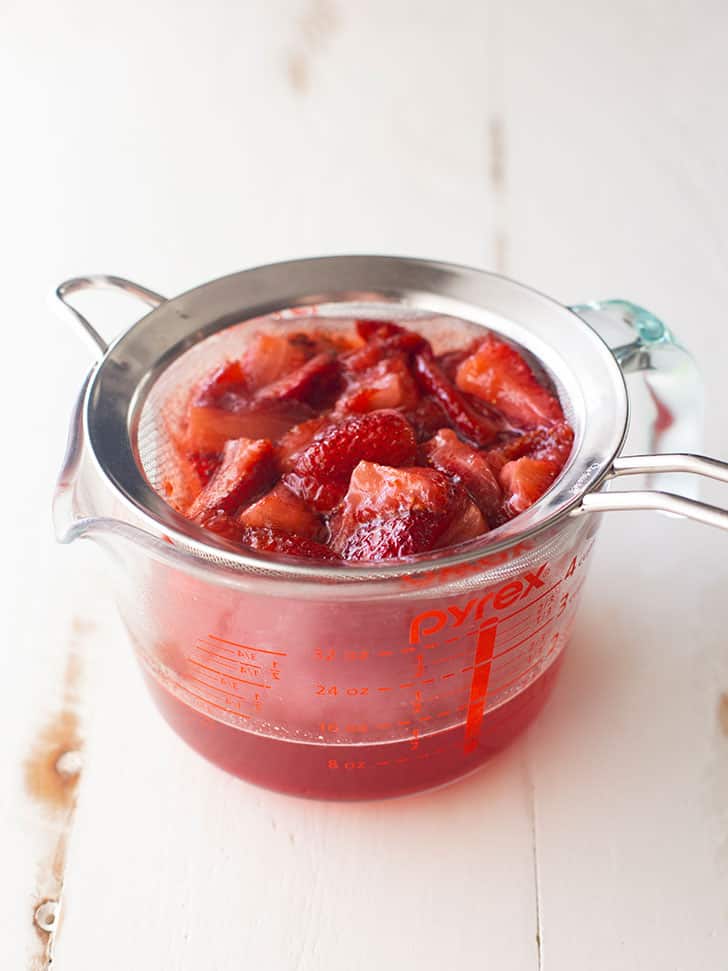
{"type": "Point", "coordinates": [363, 771]}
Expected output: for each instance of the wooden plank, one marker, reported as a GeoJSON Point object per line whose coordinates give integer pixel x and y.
{"type": "Point", "coordinates": [185, 144]}
{"type": "Point", "coordinates": [613, 182]}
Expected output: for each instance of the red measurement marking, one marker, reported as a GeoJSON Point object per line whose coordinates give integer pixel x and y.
{"type": "Point", "coordinates": [384, 653]}
{"type": "Point", "coordinates": [479, 686]}
{"type": "Point", "coordinates": [222, 691]}
{"type": "Point", "coordinates": [224, 674]}
{"type": "Point", "coordinates": [228, 660]}
{"type": "Point", "coordinates": [532, 602]}
{"type": "Point", "coordinates": [230, 711]}
{"type": "Point", "coordinates": [247, 647]}
{"type": "Point", "coordinates": [420, 666]}
{"type": "Point", "coordinates": [525, 639]}
{"type": "Point", "coordinates": [522, 674]}
{"type": "Point", "coordinates": [218, 657]}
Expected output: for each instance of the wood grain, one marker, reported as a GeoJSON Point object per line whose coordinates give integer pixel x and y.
{"type": "Point", "coordinates": [576, 146]}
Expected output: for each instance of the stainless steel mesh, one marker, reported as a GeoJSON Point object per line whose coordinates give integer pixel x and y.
{"type": "Point", "coordinates": [164, 408]}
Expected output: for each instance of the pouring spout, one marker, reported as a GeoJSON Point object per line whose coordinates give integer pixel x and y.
{"type": "Point", "coordinates": [69, 521]}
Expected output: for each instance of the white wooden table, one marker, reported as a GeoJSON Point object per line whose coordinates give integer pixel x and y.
{"type": "Point", "coordinates": [580, 147]}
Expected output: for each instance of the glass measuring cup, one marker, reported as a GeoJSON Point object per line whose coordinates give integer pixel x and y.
{"type": "Point", "coordinates": [373, 681]}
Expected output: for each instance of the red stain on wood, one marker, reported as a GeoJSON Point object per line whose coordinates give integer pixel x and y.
{"type": "Point", "coordinates": [723, 713]}
{"type": "Point", "coordinates": [314, 30]}
{"type": "Point", "coordinates": [45, 782]}
{"type": "Point", "coordinates": [51, 774]}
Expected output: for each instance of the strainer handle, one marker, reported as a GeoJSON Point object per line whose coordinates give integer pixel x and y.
{"type": "Point", "coordinates": [100, 281]}
{"type": "Point", "coordinates": [668, 502]}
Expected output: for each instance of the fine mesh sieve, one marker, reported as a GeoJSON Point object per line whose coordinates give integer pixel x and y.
{"type": "Point", "coordinates": [182, 338]}
{"type": "Point", "coordinates": [140, 387]}
{"type": "Point", "coordinates": [163, 412]}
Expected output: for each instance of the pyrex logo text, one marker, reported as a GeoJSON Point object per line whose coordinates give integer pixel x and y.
{"type": "Point", "coordinates": [432, 621]}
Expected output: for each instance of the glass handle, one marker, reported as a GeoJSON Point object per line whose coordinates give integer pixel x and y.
{"type": "Point", "coordinates": [644, 346]}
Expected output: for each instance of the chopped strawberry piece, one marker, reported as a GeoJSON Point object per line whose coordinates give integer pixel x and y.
{"type": "Point", "coordinates": [311, 382]}
{"type": "Point", "coordinates": [272, 356]}
{"type": "Point", "coordinates": [210, 426]}
{"type": "Point", "coordinates": [450, 361]}
{"type": "Point", "coordinates": [223, 524]}
{"type": "Point", "coordinates": [205, 464]}
{"type": "Point", "coordinates": [391, 512]}
{"type": "Point", "coordinates": [525, 480]}
{"type": "Point", "coordinates": [552, 442]}
{"type": "Point", "coordinates": [467, 523]}
{"type": "Point", "coordinates": [448, 454]}
{"type": "Point", "coordinates": [367, 329]}
{"type": "Point", "coordinates": [181, 484]}
{"type": "Point", "coordinates": [268, 540]}
{"type": "Point", "coordinates": [228, 380]}
{"type": "Point", "coordinates": [384, 340]}
{"type": "Point", "coordinates": [479, 429]}
{"type": "Point", "coordinates": [298, 438]}
{"type": "Point", "coordinates": [321, 473]}
{"type": "Point", "coordinates": [498, 375]}
{"type": "Point", "coordinates": [281, 509]}
{"type": "Point", "coordinates": [388, 384]}
{"type": "Point", "coordinates": [426, 418]}
{"type": "Point", "coordinates": [247, 467]}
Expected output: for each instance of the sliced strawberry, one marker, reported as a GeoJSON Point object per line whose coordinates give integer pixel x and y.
{"type": "Point", "coordinates": [298, 438]}
{"type": "Point", "coordinates": [553, 442]}
{"type": "Point", "coordinates": [467, 523]}
{"type": "Point", "coordinates": [281, 509]}
{"type": "Point", "coordinates": [223, 524]}
{"type": "Point", "coordinates": [181, 484]}
{"type": "Point", "coordinates": [209, 426]}
{"type": "Point", "coordinates": [477, 428]}
{"type": "Point", "coordinates": [450, 361]}
{"type": "Point", "coordinates": [384, 340]}
{"type": "Point", "coordinates": [321, 472]}
{"type": "Point", "coordinates": [525, 480]}
{"type": "Point", "coordinates": [448, 454]}
{"type": "Point", "coordinates": [312, 382]}
{"type": "Point", "coordinates": [389, 513]}
{"type": "Point", "coordinates": [367, 329]}
{"type": "Point", "coordinates": [426, 418]}
{"type": "Point", "coordinates": [268, 540]}
{"type": "Point", "coordinates": [205, 464]}
{"type": "Point", "coordinates": [498, 375]}
{"type": "Point", "coordinates": [388, 384]}
{"type": "Point", "coordinates": [228, 379]}
{"type": "Point", "coordinates": [247, 467]}
{"type": "Point", "coordinates": [272, 356]}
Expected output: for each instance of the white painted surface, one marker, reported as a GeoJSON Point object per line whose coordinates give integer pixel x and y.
{"type": "Point", "coordinates": [171, 145]}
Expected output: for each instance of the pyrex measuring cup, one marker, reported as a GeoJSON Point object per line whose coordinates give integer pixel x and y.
{"type": "Point", "coordinates": [361, 680]}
